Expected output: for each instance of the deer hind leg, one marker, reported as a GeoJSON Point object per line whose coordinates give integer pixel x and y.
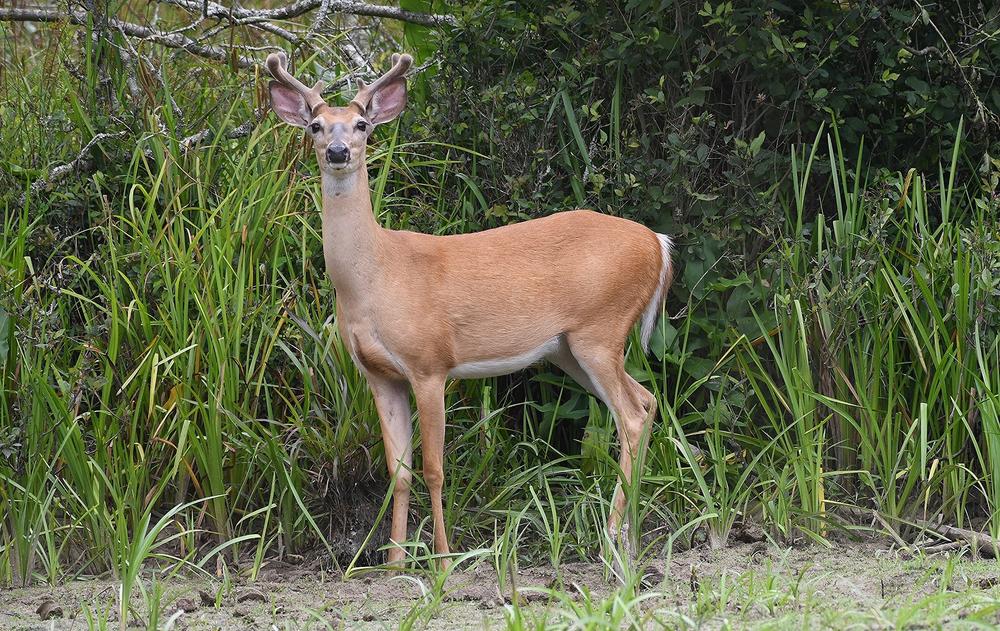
{"type": "Point", "coordinates": [429, 394]}
{"type": "Point", "coordinates": [564, 359]}
{"type": "Point", "coordinates": [393, 403]}
{"type": "Point", "coordinates": [646, 402]}
{"type": "Point", "coordinates": [632, 405]}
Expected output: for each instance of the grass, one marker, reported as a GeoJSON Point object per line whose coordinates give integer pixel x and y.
{"type": "Point", "coordinates": [174, 397]}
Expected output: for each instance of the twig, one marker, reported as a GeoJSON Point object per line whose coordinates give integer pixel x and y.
{"type": "Point", "coordinates": [260, 18]}
{"type": "Point", "coordinates": [324, 10]}
{"type": "Point", "coordinates": [242, 130]}
{"type": "Point", "coordinates": [981, 542]}
{"type": "Point", "coordinates": [944, 547]}
{"type": "Point", "coordinates": [81, 163]}
{"type": "Point", "coordinates": [358, 60]}
{"type": "Point", "coordinates": [983, 115]}
{"type": "Point", "coordinates": [892, 531]}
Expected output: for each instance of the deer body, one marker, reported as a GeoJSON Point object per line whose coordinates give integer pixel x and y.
{"type": "Point", "coordinates": [416, 309]}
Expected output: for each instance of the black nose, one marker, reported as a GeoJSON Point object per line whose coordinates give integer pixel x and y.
{"type": "Point", "coordinates": [337, 154]}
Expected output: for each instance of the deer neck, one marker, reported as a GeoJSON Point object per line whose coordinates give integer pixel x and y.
{"type": "Point", "coordinates": [350, 234]}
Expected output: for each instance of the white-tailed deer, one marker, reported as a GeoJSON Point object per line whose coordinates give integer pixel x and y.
{"type": "Point", "coordinates": [415, 309]}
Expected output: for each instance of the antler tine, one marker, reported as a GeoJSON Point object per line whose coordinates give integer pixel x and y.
{"type": "Point", "coordinates": [400, 64]}
{"type": "Point", "coordinates": [277, 64]}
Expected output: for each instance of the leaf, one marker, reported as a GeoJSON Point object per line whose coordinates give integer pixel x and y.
{"type": "Point", "coordinates": [776, 40]}
{"type": "Point", "coordinates": [663, 338]}
{"type": "Point", "coordinates": [4, 333]}
{"type": "Point", "coordinates": [698, 367]}
{"type": "Point", "coordinates": [729, 283]}
{"type": "Point", "coordinates": [574, 127]}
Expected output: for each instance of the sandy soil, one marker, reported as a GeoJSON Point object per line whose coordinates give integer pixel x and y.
{"type": "Point", "coordinates": [862, 576]}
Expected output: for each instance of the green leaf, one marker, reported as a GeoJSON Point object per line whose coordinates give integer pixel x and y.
{"type": "Point", "coordinates": [776, 40]}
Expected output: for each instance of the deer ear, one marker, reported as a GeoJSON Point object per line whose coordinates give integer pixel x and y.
{"type": "Point", "coordinates": [288, 105]}
{"type": "Point", "coordinates": [388, 102]}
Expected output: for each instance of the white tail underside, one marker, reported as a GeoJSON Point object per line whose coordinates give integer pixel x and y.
{"type": "Point", "coordinates": [656, 302]}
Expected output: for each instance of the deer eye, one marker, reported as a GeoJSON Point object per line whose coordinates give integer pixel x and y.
{"type": "Point", "coordinates": [361, 126]}
{"type": "Point", "coordinates": [316, 128]}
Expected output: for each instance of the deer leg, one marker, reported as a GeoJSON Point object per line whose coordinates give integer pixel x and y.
{"type": "Point", "coordinates": [633, 434]}
{"type": "Point", "coordinates": [647, 401]}
{"type": "Point", "coordinates": [393, 403]}
{"type": "Point", "coordinates": [429, 394]}
{"type": "Point", "coordinates": [564, 359]}
{"type": "Point", "coordinates": [630, 403]}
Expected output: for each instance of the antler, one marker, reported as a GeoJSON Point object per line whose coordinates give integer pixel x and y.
{"type": "Point", "coordinates": [400, 64]}
{"type": "Point", "coordinates": [277, 64]}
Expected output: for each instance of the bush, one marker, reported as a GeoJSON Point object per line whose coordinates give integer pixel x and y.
{"type": "Point", "coordinates": [680, 114]}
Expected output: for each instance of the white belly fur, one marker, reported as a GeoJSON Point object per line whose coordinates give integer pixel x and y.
{"type": "Point", "coordinates": [504, 365]}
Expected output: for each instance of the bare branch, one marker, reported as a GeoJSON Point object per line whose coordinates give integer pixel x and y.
{"type": "Point", "coordinates": [926, 50]}
{"type": "Point", "coordinates": [170, 40]}
{"type": "Point", "coordinates": [235, 16]}
{"type": "Point", "coordinates": [82, 163]}
{"type": "Point", "coordinates": [242, 130]}
{"type": "Point", "coordinates": [346, 6]}
{"type": "Point", "coordinates": [260, 18]}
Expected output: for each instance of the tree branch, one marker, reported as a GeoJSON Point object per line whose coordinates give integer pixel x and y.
{"type": "Point", "coordinates": [260, 18]}
{"type": "Point", "coordinates": [235, 15]}
{"type": "Point", "coordinates": [170, 40]}
{"type": "Point", "coordinates": [82, 163]}
{"type": "Point", "coordinates": [343, 6]}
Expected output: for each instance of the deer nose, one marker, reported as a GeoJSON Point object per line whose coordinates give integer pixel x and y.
{"type": "Point", "coordinates": [337, 153]}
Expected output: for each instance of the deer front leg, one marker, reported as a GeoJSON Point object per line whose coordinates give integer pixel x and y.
{"type": "Point", "coordinates": [393, 403]}
{"type": "Point", "coordinates": [429, 393]}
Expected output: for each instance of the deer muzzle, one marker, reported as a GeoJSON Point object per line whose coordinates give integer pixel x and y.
{"type": "Point", "coordinates": [337, 153]}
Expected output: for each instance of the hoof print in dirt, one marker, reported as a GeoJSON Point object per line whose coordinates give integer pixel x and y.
{"type": "Point", "coordinates": [48, 610]}
{"type": "Point", "coordinates": [491, 603]}
{"type": "Point", "coordinates": [988, 582]}
{"type": "Point", "coordinates": [251, 596]}
{"type": "Point", "coordinates": [651, 578]}
{"type": "Point", "coordinates": [206, 598]}
{"type": "Point", "coordinates": [186, 605]}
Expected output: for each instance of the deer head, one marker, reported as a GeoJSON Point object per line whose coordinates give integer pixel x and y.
{"type": "Point", "coordinates": [339, 134]}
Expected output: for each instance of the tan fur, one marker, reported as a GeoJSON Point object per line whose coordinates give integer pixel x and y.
{"type": "Point", "coordinates": [412, 307]}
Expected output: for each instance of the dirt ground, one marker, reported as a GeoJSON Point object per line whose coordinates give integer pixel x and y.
{"type": "Point", "coordinates": [860, 585]}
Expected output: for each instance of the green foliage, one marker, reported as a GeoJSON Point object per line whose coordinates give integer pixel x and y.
{"type": "Point", "coordinates": [672, 111]}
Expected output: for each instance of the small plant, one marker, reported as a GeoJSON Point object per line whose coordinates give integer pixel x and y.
{"type": "Point", "coordinates": [505, 554]}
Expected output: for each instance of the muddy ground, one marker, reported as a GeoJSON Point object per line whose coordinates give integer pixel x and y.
{"type": "Point", "coordinates": [861, 584]}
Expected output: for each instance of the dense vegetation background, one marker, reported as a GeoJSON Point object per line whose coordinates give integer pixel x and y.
{"type": "Point", "coordinates": [168, 361]}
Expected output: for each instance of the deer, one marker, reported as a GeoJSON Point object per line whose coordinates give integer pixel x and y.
{"type": "Point", "coordinates": [415, 310]}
